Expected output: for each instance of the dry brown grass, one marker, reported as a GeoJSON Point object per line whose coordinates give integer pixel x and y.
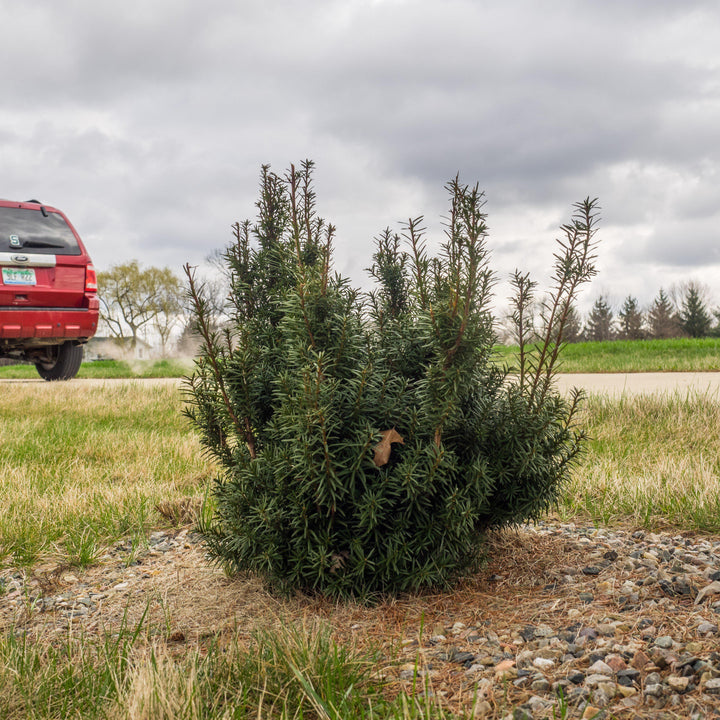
{"type": "Point", "coordinates": [652, 460]}
{"type": "Point", "coordinates": [89, 462]}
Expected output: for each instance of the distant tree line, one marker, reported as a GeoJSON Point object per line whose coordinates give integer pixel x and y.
{"type": "Point", "coordinates": [682, 312]}
{"type": "Point", "coordinates": [136, 300]}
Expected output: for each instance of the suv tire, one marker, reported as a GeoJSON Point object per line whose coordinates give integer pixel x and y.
{"type": "Point", "coordinates": [65, 363]}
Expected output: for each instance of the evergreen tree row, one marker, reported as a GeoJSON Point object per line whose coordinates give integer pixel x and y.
{"type": "Point", "coordinates": [684, 315]}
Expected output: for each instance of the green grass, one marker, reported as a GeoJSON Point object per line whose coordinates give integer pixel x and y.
{"type": "Point", "coordinates": [629, 356]}
{"type": "Point", "coordinates": [82, 465]}
{"type": "Point", "coordinates": [108, 369]}
{"type": "Point", "coordinates": [617, 356]}
{"type": "Point", "coordinates": [85, 464]}
{"type": "Point", "coordinates": [292, 672]}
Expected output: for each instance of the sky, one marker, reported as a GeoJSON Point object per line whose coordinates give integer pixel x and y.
{"type": "Point", "coordinates": [147, 122]}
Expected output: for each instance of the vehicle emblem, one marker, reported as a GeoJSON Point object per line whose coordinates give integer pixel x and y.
{"type": "Point", "coordinates": [20, 258]}
{"type": "Point", "coordinates": [15, 241]}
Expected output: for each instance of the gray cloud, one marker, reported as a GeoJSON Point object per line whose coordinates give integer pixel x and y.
{"type": "Point", "coordinates": [147, 122]}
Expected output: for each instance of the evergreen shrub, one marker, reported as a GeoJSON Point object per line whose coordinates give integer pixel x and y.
{"type": "Point", "coordinates": [367, 441]}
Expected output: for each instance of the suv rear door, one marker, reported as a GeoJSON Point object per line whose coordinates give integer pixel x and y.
{"type": "Point", "coordinates": [43, 263]}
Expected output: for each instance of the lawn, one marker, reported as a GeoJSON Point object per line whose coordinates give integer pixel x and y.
{"type": "Point", "coordinates": [617, 356]}
{"type": "Point", "coordinates": [630, 356]}
{"type": "Point", "coordinates": [170, 368]}
{"type": "Point", "coordinates": [83, 465]}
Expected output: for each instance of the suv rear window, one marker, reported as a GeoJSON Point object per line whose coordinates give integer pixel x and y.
{"type": "Point", "coordinates": [30, 231]}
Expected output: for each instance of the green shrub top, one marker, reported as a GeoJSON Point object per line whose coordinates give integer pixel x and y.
{"type": "Point", "coordinates": [367, 441]}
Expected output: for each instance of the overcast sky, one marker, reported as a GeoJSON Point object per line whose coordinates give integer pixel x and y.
{"type": "Point", "coordinates": [147, 121]}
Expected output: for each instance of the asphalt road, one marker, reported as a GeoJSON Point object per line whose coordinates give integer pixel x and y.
{"type": "Point", "coordinates": [641, 383]}
{"type": "Point", "coordinates": [611, 384]}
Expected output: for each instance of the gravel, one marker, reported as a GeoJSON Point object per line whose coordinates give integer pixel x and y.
{"type": "Point", "coordinates": [615, 624]}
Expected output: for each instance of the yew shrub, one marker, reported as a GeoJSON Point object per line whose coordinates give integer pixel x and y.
{"type": "Point", "coordinates": [368, 441]}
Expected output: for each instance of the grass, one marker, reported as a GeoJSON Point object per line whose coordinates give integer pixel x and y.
{"type": "Point", "coordinates": [296, 672]}
{"type": "Point", "coordinates": [629, 356]}
{"type": "Point", "coordinates": [617, 356]}
{"type": "Point", "coordinates": [652, 461]}
{"type": "Point", "coordinates": [109, 369]}
{"type": "Point", "coordinates": [83, 465]}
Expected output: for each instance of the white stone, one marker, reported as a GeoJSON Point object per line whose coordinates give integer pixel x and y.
{"type": "Point", "coordinates": [543, 663]}
{"type": "Point", "coordinates": [600, 668]}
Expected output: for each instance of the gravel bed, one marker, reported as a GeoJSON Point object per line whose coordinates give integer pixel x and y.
{"type": "Point", "coordinates": [588, 622]}
{"type": "Point", "coordinates": [621, 624]}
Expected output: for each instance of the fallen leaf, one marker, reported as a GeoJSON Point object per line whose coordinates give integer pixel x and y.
{"type": "Point", "coordinates": [383, 448]}
{"type": "Point", "coordinates": [504, 665]}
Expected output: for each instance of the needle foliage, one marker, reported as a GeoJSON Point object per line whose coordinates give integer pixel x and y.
{"type": "Point", "coordinates": [367, 441]}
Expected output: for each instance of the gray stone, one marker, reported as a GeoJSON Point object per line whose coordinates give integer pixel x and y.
{"type": "Point", "coordinates": [543, 663]}
{"type": "Point", "coordinates": [707, 627]}
{"type": "Point", "coordinates": [665, 642]}
{"type": "Point", "coordinates": [540, 685]}
{"type": "Point", "coordinates": [604, 694]}
{"type": "Point", "coordinates": [713, 686]}
{"type": "Point", "coordinates": [459, 657]}
{"type": "Point", "coordinates": [595, 680]}
{"type": "Point", "coordinates": [522, 714]}
{"type": "Point", "coordinates": [544, 631]}
{"type": "Point", "coordinates": [628, 677]}
{"type": "Point", "coordinates": [600, 667]}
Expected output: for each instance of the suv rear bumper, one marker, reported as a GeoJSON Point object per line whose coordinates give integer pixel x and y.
{"type": "Point", "coordinates": [21, 326]}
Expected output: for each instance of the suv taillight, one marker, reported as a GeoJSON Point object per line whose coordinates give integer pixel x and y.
{"type": "Point", "coordinates": [90, 278]}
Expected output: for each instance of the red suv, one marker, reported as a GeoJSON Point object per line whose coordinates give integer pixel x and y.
{"type": "Point", "coordinates": [48, 289]}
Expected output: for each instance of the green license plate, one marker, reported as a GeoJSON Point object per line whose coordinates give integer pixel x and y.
{"type": "Point", "coordinates": [18, 276]}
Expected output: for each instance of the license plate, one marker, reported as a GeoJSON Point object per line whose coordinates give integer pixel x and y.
{"type": "Point", "coordinates": [19, 276]}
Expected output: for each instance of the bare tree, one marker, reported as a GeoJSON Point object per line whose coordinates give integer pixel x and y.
{"type": "Point", "coordinates": [132, 297]}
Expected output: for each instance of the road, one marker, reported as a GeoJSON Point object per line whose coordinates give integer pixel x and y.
{"type": "Point", "coordinates": [641, 383]}
{"type": "Point", "coordinates": [614, 384]}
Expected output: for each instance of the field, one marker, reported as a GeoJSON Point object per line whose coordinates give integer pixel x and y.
{"type": "Point", "coordinates": [618, 356]}
{"type": "Point", "coordinates": [84, 467]}
{"type": "Point", "coordinates": [630, 356]}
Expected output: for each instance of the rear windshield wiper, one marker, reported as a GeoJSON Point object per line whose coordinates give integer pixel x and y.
{"type": "Point", "coordinates": [42, 243]}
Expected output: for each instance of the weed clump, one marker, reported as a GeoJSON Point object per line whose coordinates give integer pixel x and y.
{"type": "Point", "coordinates": [368, 441]}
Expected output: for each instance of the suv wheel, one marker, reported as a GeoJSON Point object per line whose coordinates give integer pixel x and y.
{"type": "Point", "coordinates": [63, 362]}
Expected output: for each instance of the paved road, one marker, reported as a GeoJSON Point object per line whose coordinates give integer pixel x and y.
{"type": "Point", "coordinates": [97, 381]}
{"type": "Point", "coordinates": [612, 384]}
{"type": "Point", "coordinates": [638, 383]}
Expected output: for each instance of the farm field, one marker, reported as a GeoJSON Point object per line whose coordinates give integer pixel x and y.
{"type": "Point", "coordinates": [104, 479]}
